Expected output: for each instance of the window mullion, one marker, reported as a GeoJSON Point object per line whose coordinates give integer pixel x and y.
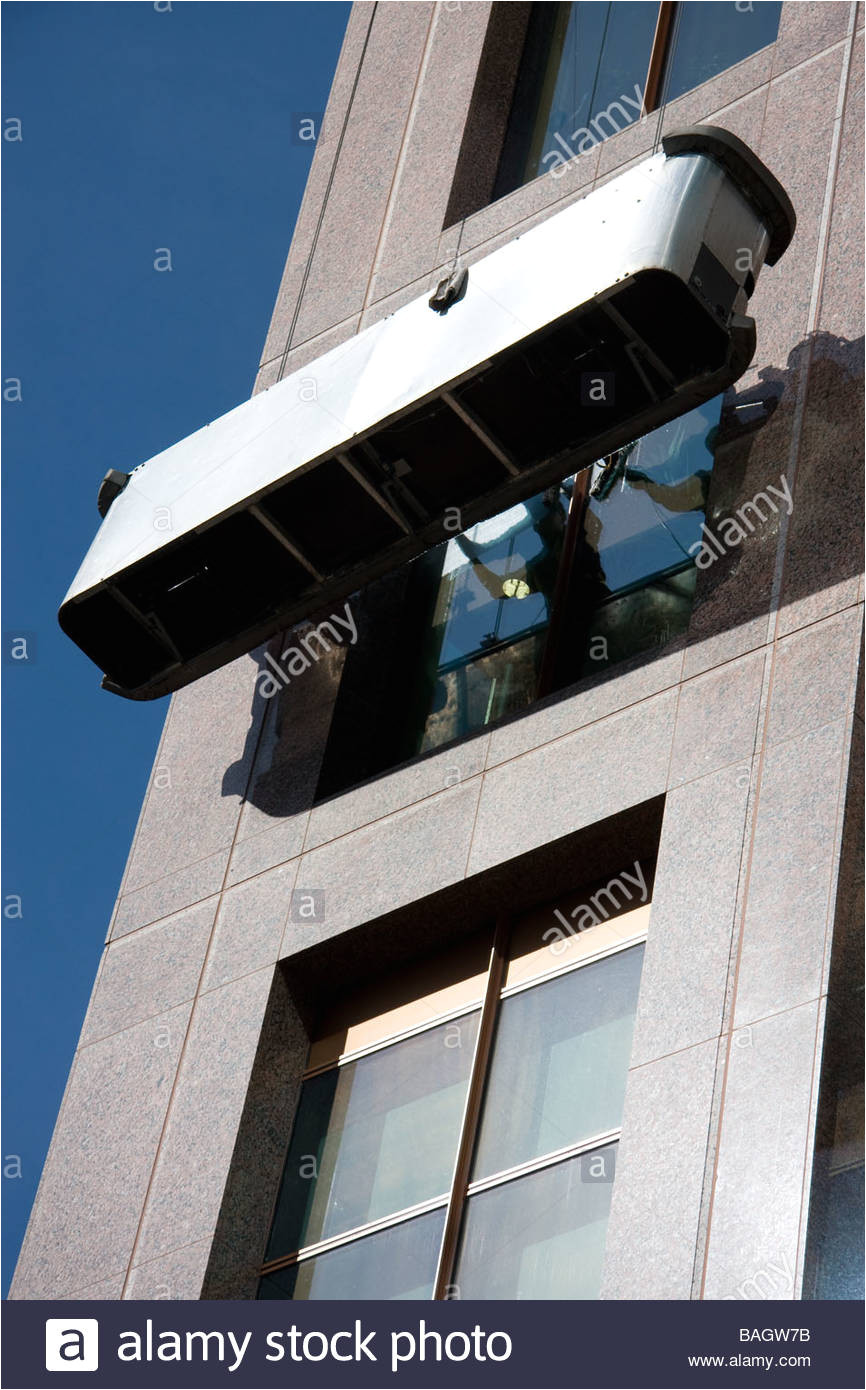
{"type": "Point", "coordinates": [658, 56]}
{"type": "Point", "coordinates": [472, 1108]}
{"type": "Point", "coordinates": [559, 603]}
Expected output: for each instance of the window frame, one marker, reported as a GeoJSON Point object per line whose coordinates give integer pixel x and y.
{"type": "Point", "coordinates": [560, 660]}
{"type": "Point", "coordinates": [659, 56]}
{"type": "Point", "coordinates": [453, 1202]}
{"type": "Point", "coordinates": [519, 115]}
{"type": "Point", "coordinates": [662, 52]}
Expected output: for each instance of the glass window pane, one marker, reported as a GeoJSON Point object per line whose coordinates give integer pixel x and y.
{"type": "Point", "coordinates": [645, 619]}
{"type": "Point", "coordinates": [582, 79]}
{"type": "Point", "coordinates": [491, 612]}
{"type": "Point", "coordinates": [635, 571]}
{"type": "Point", "coordinates": [834, 1245]}
{"type": "Point", "coordinates": [398, 1263]}
{"type": "Point", "coordinates": [646, 521]}
{"type": "Point", "coordinates": [541, 1236]}
{"type": "Point", "coordinates": [374, 1136]}
{"type": "Point", "coordinates": [711, 37]}
{"type": "Point", "coordinates": [451, 643]}
{"type": "Point", "coordinates": [560, 1058]}
{"type": "Point", "coordinates": [838, 1243]}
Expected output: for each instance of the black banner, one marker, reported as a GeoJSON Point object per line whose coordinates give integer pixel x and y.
{"type": "Point", "coordinates": [540, 1346]}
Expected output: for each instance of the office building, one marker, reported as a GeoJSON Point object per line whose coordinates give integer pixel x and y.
{"type": "Point", "coordinates": [495, 932]}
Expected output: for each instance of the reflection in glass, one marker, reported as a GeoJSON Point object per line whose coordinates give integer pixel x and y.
{"type": "Point", "coordinates": [459, 639]}
{"type": "Point", "coordinates": [540, 1236]}
{"type": "Point", "coordinates": [397, 1263]}
{"type": "Point", "coordinates": [642, 530]}
{"type": "Point", "coordinates": [375, 1136]}
{"type": "Point", "coordinates": [834, 1244]}
{"type": "Point", "coordinates": [711, 37]}
{"type": "Point", "coordinates": [645, 617]}
{"type": "Point", "coordinates": [559, 1063]}
{"type": "Point", "coordinates": [837, 1207]}
{"type": "Point", "coordinates": [581, 80]}
{"type": "Point", "coordinates": [491, 612]}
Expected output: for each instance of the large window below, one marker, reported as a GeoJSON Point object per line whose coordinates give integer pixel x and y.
{"type": "Point", "coordinates": [460, 1140]}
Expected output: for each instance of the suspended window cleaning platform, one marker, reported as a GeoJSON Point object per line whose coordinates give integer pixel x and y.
{"type": "Point", "coordinates": [613, 316]}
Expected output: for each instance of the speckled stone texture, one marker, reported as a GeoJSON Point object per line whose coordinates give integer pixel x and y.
{"type": "Point", "coordinates": [238, 1243]}
{"type": "Point", "coordinates": [727, 753]}
{"type": "Point", "coordinates": [573, 781]}
{"type": "Point", "coordinates": [89, 1201]}
{"type": "Point", "coordinates": [348, 237]}
{"type": "Point", "coordinates": [249, 928]}
{"type": "Point", "coordinates": [179, 1275]}
{"type": "Point", "coordinates": [416, 851]}
{"type": "Point", "coordinates": [191, 809]}
{"type": "Point", "coordinates": [411, 230]}
{"type": "Point", "coordinates": [685, 974]}
{"type": "Point", "coordinates": [285, 309]}
{"type": "Point", "coordinates": [792, 873]}
{"type": "Point", "coordinates": [717, 719]}
{"type": "Point", "coordinates": [149, 971]}
{"type": "Point", "coordinates": [755, 1215]}
{"type": "Point", "coordinates": [824, 555]}
{"type": "Point", "coordinates": [187, 1185]}
{"type": "Point", "coordinates": [808, 29]}
{"type": "Point", "coordinates": [660, 1171]}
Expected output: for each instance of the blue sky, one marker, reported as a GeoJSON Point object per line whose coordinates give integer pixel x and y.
{"type": "Point", "coordinates": [142, 127]}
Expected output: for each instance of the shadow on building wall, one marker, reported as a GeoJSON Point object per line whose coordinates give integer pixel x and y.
{"type": "Point", "coordinates": [798, 425]}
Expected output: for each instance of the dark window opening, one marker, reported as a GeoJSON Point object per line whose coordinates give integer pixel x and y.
{"type": "Point", "coordinates": [594, 570]}
{"type": "Point", "coordinates": [581, 79]}
{"type": "Point", "coordinates": [585, 72]}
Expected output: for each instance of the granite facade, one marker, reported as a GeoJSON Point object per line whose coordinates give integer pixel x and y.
{"type": "Point", "coordinates": [741, 729]}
